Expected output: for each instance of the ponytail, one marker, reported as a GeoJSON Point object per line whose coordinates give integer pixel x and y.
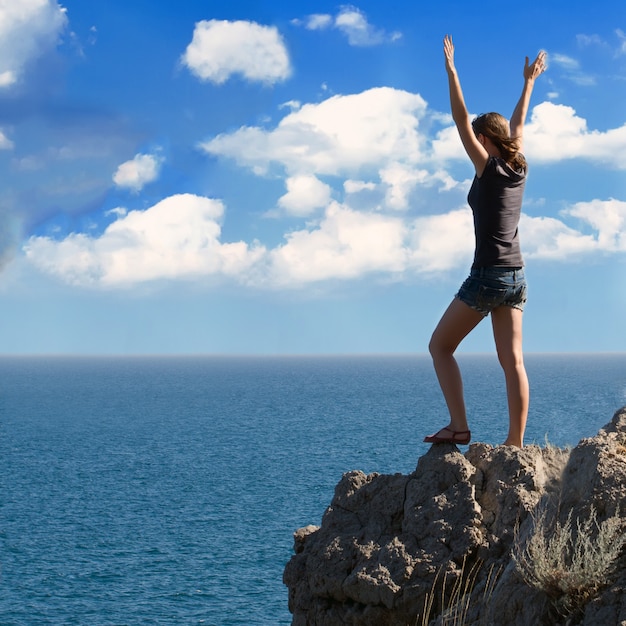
{"type": "Point", "coordinates": [496, 127]}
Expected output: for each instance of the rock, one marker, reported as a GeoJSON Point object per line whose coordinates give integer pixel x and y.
{"type": "Point", "coordinates": [404, 550]}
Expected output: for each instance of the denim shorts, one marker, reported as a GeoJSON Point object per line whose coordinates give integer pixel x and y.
{"type": "Point", "coordinates": [487, 288]}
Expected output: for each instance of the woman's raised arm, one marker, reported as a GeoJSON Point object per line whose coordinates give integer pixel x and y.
{"type": "Point", "coordinates": [521, 109]}
{"type": "Point", "coordinates": [475, 150]}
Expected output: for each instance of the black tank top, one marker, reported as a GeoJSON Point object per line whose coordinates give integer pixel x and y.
{"type": "Point", "coordinates": [496, 201]}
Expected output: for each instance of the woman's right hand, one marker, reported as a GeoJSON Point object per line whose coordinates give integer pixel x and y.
{"type": "Point", "coordinates": [448, 51]}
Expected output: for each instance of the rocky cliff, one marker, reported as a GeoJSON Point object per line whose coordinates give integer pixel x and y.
{"type": "Point", "coordinates": [496, 536]}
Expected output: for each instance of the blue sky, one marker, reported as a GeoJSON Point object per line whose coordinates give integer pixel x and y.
{"type": "Point", "coordinates": [284, 178]}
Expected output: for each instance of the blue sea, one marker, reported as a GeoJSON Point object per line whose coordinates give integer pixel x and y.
{"type": "Point", "coordinates": [166, 490]}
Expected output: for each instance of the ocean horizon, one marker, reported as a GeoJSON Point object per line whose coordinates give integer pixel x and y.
{"type": "Point", "coordinates": [165, 489]}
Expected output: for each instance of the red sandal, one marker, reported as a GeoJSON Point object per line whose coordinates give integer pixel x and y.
{"type": "Point", "coordinates": [461, 437]}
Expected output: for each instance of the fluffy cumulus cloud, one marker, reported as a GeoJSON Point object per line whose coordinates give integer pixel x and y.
{"type": "Point", "coordinates": [221, 48]}
{"type": "Point", "coordinates": [401, 180]}
{"type": "Point", "coordinates": [138, 172]}
{"type": "Point", "coordinates": [607, 219]}
{"type": "Point", "coordinates": [381, 128]}
{"type": "Point", "coordinates": [177, 238]}
{"type": "Point", "coordinates": [356, 169]}
{"type": "Point", "coordinates": [551, 238]}
{"type": "Point", "coordinates": [180, 238]}
{"type": "Point", "coordinates": [446, 145]}
{"type": "Point", "coordinates": [376, 141]}
{"type": "Point", "coordinates": [353, 23]}
{"type": "Point", "coordinates": [28, 29]}
{"type": "Point", "coordinates": [340, 134]}
{"type": "Point", "coordinates": [601, 228]}
{"type": "Point", "coordinates": [440, 243]}
{"type": "Point", "coordinates": [305, 193]}
{"type": "Point", "coordinates": [556, 133]}
{"type": "Point", "coordinates": [346, 244]}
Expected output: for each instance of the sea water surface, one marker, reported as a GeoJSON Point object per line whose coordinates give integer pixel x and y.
{"type": "Point", "coordinates": [166, 490]}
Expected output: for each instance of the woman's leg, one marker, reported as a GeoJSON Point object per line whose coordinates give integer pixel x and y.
{"type": "Point", "coordinates": [507, 332]}
{"type": "Point", "coordinates": [456, 323]}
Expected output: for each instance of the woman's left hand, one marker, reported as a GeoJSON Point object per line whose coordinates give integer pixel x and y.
{"type": "Point", "coordinates": [538, 66]}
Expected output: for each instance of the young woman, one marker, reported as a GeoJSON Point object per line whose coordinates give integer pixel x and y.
{"type": "Point", "coordinates": [496, 284]}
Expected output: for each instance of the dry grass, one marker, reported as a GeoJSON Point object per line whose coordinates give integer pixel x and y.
{"type": "Point", "coordinates": [456, 595]}
{"type": "Point", "coordinates": [570, 562]}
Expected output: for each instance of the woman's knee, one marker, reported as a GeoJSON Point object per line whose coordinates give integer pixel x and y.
{"type": "Point", "coordinates": [438, 347]}
{"type": "Point", "coordinates": [432, 349]}
{"type": "Point", "coordinates": [511, 361]}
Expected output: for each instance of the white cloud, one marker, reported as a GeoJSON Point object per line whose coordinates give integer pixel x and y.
{"type": "Point", "coordinates": [571, 69]}
{"type": "Point", "coordinates": [355, 186]}
{"type": "Point", "coordinates": [440, 243]}
{"type": "Point", "coordinates": [607, 218]}
{"type": "Point", "coordinates": [117, 211]}
{"type": "Point", "coordinates": [590, 40]}
{"type": "Point", "coordinates": [7, 78]}
{"type": "Point", "coordinates": [340, 134]}
{"type": "Point", "coordinates": [292, 105]}
{"type": "Point", "coordinates": [220, 49]}
{"type": "Point", "coordinates": [305, 193]}
{"type": "Point", "coordinates": [350, 244]}
{"type": "Point", "coordinates": [355, 26]}
{"type": "Point", "coordinates": [550, 238]}
{"type": "Point", "coordinates": [318, 21]}
{"type": "Point", "coordinates": [371, 142]}
{"type": "Point", "coordinates": [353, 23]}
{"type": "Point", "coordinates": [5, 142]}
{"type": "Point", "coordinates": [28, 29]}
{"type": "Point", "coordinates": [177, 238]}
{"type": "Point", "coordinates": [138, 172]}
{"type": "Point", "coordinates": [565, 62]}
{"type": "Point", "coordinates": [346, 244]}
{"type": "Point", "coordinates": [621, 36]}
{"type": "Point", "coordinates": [556, 133]}
{"type": "Point", "coordinates": [597, 41]}
{"type": "Point", "coordinates": [401, 180]}
{"type": "Point", "coordinates": [375, 133]}
{"type": "Point", "coordinates": [602, 229]}
{"type": "Point", "coordinates": [447, 144]}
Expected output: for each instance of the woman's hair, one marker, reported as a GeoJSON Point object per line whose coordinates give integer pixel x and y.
{"type": "Point", "coordinates": [496, 127]}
